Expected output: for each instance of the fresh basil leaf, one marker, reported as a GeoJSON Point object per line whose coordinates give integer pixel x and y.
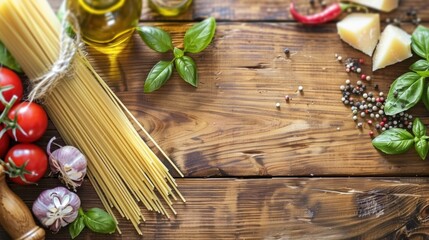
{"type": "Point", "coordinates": [178, 53]}
{"type": "Point", "coordinates": [425, 95]}
{"type": "Point", "coordinates": [404, 93]}
{"type": "Point", "coordinates": [420, 42]}
{"type": "Point", "coordinates": [421, 67]}
{"type": "Point", "coordinates": [158, 76]}
{"type": "Point", "coordinates": [187, 70]}
{"type": "Point", "coordinates": [99, 221]}
{"type": "Point", "coordinates": [77, 226]}
{"type": "Point", "coordinates": [155, 38]}
{"type": "Point", "coordinates": [419, 129]}
{"type": "Point", "coordinates": [7, 60]}
{"type": "Point", "coordinates": [422, 148]}
{"type": "Point", "coordinates": [394, 141]}
{"type": "Point", "coordinates": [199, 36]}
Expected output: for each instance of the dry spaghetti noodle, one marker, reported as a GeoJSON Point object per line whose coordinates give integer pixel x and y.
{"type": "Point", "coordinates": [88, 115]}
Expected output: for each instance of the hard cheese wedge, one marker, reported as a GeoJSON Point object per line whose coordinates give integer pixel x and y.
{"type": "Point", "coordinates": [360, 30]}
{"type": "Point", "coordinates": [394, 46]}
{"type": "Point", "coordinates": [382, 5]}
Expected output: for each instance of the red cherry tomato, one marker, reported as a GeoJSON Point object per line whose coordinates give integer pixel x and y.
{"type": "Point", "coordinates": [32, 119]}
{"type": "Point", "coordinates": [26, 163]}
{"type": "Point", "coordinates": [10, 78]}
{"type": "Point", "coordinates": [4, 143]}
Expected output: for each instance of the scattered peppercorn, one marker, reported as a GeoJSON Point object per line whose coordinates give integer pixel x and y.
{"type": "Point", "coordinates": [367, 105]}
{"type": "Point", "coordinates": [397, 22]}
{"type": "Point", "coordinates": [286, 51]}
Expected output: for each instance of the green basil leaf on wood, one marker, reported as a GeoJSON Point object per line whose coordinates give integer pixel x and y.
{"type": "Point", "coordinates": [419, 129]}
{"type": "Point", "coordinates": [421, 67]}
{"type": "Point", "coordinates": [155, 38]}
{"type": "Point", "coordinates": [187, 70]}
{"type": "Point", "coordinates": [404, 93]}
{"type": "Point", "coordinates": [394, 141]}
{"type": "Point", "coordinates": [6, 59]}
{"type": "Point", "coordinates": [422, 148]}
{"type": "Point", "coordinates": [199, 36]}
{"type": "Point", "coordinates": [77, 226]}
{"type": "Point", "coordinates": [420, 42]}
{"type": "Point", "coordinates": [99, 221]}
{"type": "Point", "coordinates": [158, 76]}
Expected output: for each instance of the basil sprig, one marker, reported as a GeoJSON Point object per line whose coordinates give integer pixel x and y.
{"type": "Point", "coordinates": [397, 140]}
{"type": "Point", "coordinates": [411, 87]}
{"type": "Point", "coordinates": [196, 39]}
{"type": "Point", "coordinates": [96, 219]}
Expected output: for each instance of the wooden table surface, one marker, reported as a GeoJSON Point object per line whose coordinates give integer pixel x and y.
{"type": "Point", "coordinates": [252, 171]}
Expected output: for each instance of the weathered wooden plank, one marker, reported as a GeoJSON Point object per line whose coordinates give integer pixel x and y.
{"type": "Point", "coordinates": [229, 125]}
{"type": "Point", "coordinates": [254, 10]}
{"type": "Point", "coordinates": [302, 208]}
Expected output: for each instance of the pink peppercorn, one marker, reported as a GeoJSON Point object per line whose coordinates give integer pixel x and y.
{"type": "Point", "coordinates": [371, 133]}
{"type": "Point", "coordinates": [363, 77]}
{"type": "Point", "coordinates": [361, 61]}
{"type": "Point", "coordinates": [369, 122]}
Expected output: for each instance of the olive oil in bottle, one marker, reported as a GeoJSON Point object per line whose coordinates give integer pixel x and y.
{"type": "Point", "coordinates": [170, 8]}
{"type": "Point", "coordinates": [106, 23]}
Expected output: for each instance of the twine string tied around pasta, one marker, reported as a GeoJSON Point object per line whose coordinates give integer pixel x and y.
{"type": "Point", "coordinates": [68, 48]}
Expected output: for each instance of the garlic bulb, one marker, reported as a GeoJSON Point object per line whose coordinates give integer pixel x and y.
{"type": "Point", "coordinates": [69, 162]}
{"type": "Point", "coordinates": [56, 208]}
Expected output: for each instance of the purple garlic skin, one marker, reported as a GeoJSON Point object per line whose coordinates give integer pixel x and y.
{"type": "Point", "coordinates": [70, 163]}
{"type": "Point", "coordinates": [56, 208]}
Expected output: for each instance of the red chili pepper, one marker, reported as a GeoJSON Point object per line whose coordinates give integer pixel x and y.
{"type": "Point", "coordinates": [329, 13]}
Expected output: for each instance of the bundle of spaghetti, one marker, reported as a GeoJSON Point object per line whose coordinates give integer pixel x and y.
{"type": "Point", "coordinates": [88, 115]}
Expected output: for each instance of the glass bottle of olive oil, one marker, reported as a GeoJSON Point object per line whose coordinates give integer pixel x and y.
{"type": "Point", "coordinates": [106, 23]}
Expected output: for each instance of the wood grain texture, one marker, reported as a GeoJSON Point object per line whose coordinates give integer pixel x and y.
{"type": "Point", "coordinates": [299, 208]}
{"type": "Point", "coordinates": [229, 125]}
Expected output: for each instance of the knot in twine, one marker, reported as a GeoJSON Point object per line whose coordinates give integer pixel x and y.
{"type": "Point", "coordinates": [68, 49]}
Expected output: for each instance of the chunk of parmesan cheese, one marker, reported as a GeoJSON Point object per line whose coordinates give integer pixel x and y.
{"type": "Point", "coordinates": [361, 31]}
{"type": "Point", "coordinates": [394, 46]}
{"type": "Point", "coordinates": [382, 5]}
